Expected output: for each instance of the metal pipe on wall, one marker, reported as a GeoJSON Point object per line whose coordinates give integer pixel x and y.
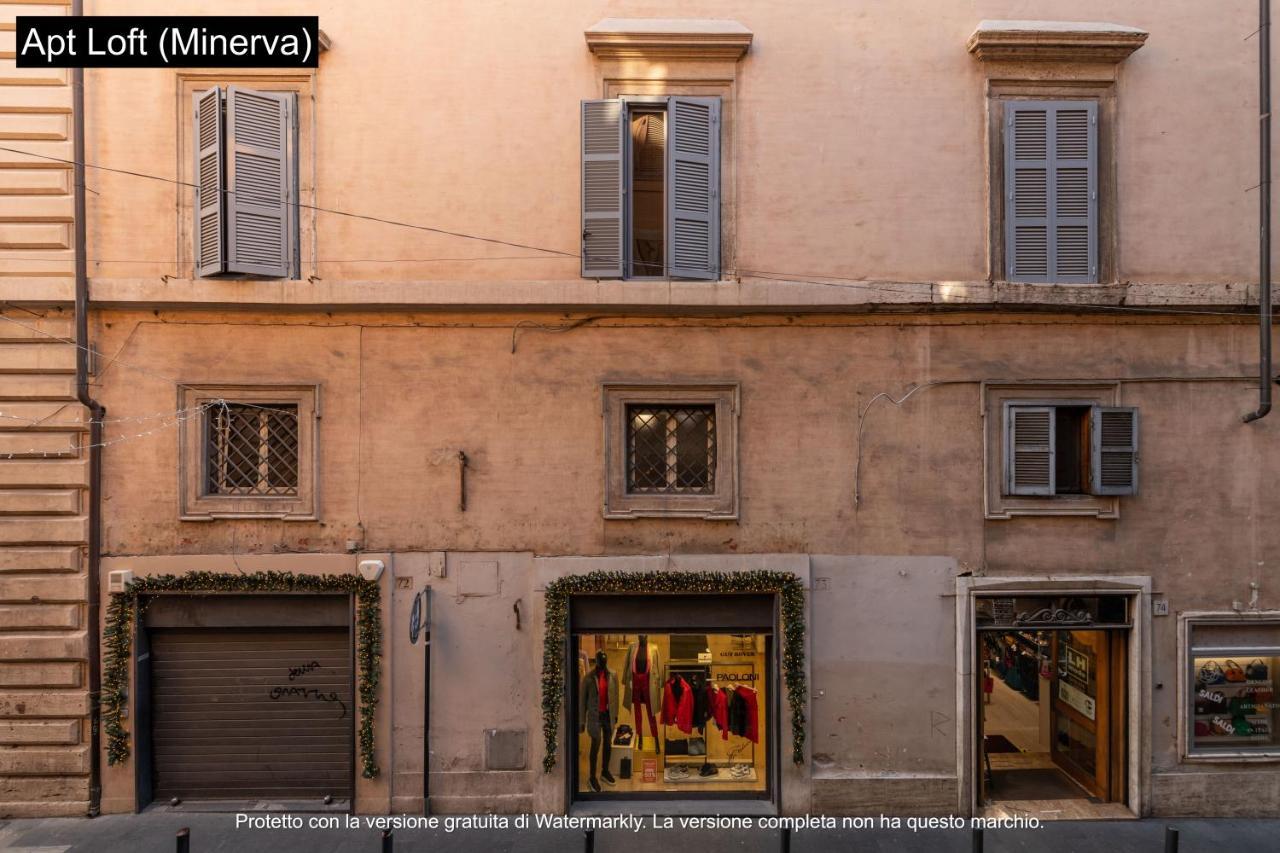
{"type": "Point", "coordinates": [96, 414]}
{"type": "Point", "coordinates": [1264, 212]}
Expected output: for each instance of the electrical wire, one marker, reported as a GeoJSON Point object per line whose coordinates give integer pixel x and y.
{"type": "Point", "coordinates": [364, 216]}
{"type": "Point", "coordinates": [795, 278]}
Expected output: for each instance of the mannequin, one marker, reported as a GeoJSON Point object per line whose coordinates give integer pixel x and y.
{"type": "Point", "coordinates": [642, 685]}
{"type": "Point", "coordinates": [598, 706]}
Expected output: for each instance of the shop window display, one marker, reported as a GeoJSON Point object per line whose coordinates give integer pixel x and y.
{"type": "Point", "coordinates": [1233, 701]}
{"type": "Point", "coordinates": [671, 713]}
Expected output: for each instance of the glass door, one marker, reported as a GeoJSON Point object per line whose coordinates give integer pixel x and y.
{"type": "Point", "coordinates": [1081, 708]}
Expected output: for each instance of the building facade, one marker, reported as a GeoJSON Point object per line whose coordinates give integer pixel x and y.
{"type": "Point", "coordinates": [639, 402]}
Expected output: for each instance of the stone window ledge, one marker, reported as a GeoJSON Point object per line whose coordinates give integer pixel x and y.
{"type": "Point", "coordinates": [668, 38]}
{"type": "Point", "coordinates": [1054, 41]}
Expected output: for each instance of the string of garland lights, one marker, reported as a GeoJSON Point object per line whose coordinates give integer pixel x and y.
{"type": "Point", "coordinates": [559, 592]}
{"type": "Point", "coordinates": [125, 607]}
{"type": "Point", "coordinates": [173, 419]}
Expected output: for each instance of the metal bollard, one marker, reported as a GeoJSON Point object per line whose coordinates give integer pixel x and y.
{"type": "Point", "coordinates": [589, 840]}
{"type": "Point", "coordinates": [1170, 840]}
{"type": "Point", "coordinates": [977, 839]}
{"type": "Point", "coordinates": [388, 841]}
{"type": "Point", "coordinates": [184, 840]}
{"type": "Point", "coordinates": [786, 839]}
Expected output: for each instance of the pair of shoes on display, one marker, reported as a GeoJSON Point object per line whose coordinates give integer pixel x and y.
{"type": "Point", "coordinates": [708, 770]}
{"type": "Point", "coordinates": [677, 773]}
{"type": "Point", "coordinates": [607, 777]}
{"type": "Point", "coordinates": [740, 771]}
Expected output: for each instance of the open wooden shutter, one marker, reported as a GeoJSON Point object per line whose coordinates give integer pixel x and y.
{"type": "Point", "coordinates": [210, 179]}
{"type": "Point", "coordinates": [1029, 450]}
{"type": "Point", "coordinates": [1051, 191]}
{"type": "Point", "coordinates": [259, 182]}
{"type": "Point", "coordinates": [602, 183]}
{"type": "Point", "coordinates": [1113, 436]}
{"type": "Point", "coordinates": [693, 187]}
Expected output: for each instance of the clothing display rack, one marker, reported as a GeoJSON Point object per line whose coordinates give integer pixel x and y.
{"type": "Point", "coordinates": [708, 673]}
{"type": "Point", "coordinates": [1017, 658]}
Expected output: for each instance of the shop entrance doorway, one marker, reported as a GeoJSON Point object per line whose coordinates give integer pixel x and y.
{"type": "Point", "coordinates": [1052, 719]}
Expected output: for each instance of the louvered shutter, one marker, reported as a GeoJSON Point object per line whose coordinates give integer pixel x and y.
{"type": "Point", "coordinates": [1113, 436]}
{"type": "Point", "coordinates": [210, 179]}
{"type": "Point", "coordinates": [1029, 450]}
{"type": "Point", "coordinates": [258, 178]}
{"type": "Point", "coordinates": [693, 187]}
{"type": "Point", "coordinates": [602, 182]}
{"type": "Point", "coordinates": [1051, 191]}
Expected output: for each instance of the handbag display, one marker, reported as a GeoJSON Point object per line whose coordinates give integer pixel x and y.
{"type": "Point", "coordinates": [622, 735]}
{"type": "Point", "coordinates": [1211, 673]}
{"type": "Point", "coordinates": [1257, 670]}
{"type": "Point", "coordinates": [1202, 729]}
{"type": "Point", "coordinates": [1211, 702]}
{"type": "Point", "coordinates": [1234, 672]}
{"type": "Point", "coordinates": [1241, 727]}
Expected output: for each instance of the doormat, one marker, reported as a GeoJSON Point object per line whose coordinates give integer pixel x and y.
{"type": "Point", "coordinates": [1034, 785]}
{"type": "Point", "coordinates": [998, 743]}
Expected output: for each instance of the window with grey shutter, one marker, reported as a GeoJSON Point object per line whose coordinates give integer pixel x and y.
{"type": "Point", "coordinates": [1114, 450]}
{"type": "Point", "coordinates": [259, 181]}
{"type": "Point", "coordinates": [1029, 450]}
{"type": "Point", "coordinates": [693, 187]}
{"type": "Point", "coordinates": [210, 252]}
{"type": "Point", "coordinates": [246, 146]}
{"type": "Point", "coordinates": [1051, 191]}
{"type": "Point", "coordinates": [602, 183]}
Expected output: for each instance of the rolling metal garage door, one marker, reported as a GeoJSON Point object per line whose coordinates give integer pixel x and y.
{"type": "Point", "coordinates": [251, 713]}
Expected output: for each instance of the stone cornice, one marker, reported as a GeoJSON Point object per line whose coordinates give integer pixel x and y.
{"type": "Point", "coordinates": [668, 38]}
{"type": "Point", "coordinates": [809, 296]}
{"type": "Point", "coordinates": [1054, 41]}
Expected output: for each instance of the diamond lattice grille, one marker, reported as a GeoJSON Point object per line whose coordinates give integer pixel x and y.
{"type": "Point", "coordinates": [671, 449]}
{"type": "Point", "coordinates": [253, 450]}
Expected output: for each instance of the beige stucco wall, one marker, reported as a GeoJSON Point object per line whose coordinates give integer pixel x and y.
{"type": "Point", "coordinates": [401, 395]}
{"type": "Point", "coordinates": [860, 167]}
{"type": "Point", "coordinates": [859, 139]}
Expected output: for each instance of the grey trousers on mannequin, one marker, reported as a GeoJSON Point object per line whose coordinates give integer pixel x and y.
{"type": "Point", "coordinates": [606, 730]}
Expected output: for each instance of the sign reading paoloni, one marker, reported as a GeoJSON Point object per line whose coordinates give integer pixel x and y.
{"type": "Point", "coordinates": [168, 41]}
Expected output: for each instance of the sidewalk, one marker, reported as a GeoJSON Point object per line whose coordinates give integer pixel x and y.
{"type": "Point", "coordinates": [217, 833]}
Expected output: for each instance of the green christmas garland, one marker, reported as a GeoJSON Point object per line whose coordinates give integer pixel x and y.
{"type": "Point", "coordinates": [559, 592]}
{"type": "Point", "coordinates": [123, 608]}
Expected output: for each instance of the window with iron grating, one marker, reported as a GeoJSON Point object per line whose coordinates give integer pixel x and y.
{"type": "Point", "coordinates": [252, 450]}
{"type": "Point", "coordinates": [671, 449]}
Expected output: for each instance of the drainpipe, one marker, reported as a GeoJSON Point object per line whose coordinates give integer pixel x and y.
{"type": "Point", "coordinates": [1264, 211]}
{"type": "Point", "coordinates": [96, 414]}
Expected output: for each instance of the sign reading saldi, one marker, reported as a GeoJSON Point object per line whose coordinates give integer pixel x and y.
{"type": "Point", "coordinates": [168, 41]}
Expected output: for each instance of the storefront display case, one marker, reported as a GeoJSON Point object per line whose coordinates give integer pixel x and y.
{"type": "Point", "coordinates": [692, 714]}
{"type": "Point", "coordinates": [1233, 704]}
